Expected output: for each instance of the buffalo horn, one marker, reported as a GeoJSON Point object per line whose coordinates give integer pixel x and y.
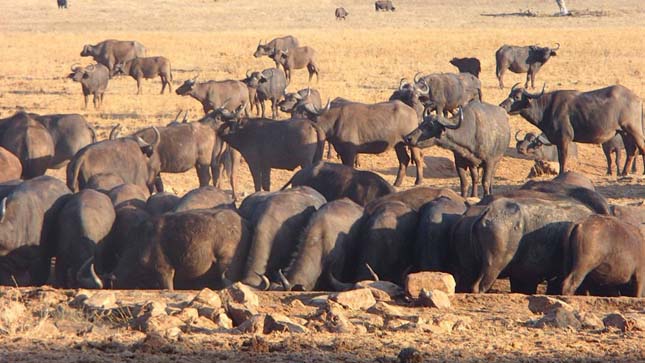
{"type": "Point", "coordinates": [339, 286]}
{"type": "Point", "coordinates": [535, 95]}
{"type": "Point", "coordinates": [297, 96]}
{"type": "Point", "coordinates": [542, 138]}
{"type": "Point", "coordinates": [416, 77]}
{"type": "Point", "coordinates": [374, 275]}
{"type": "Point", "coordinates": [248, 73]}
{"type": "Point", "coordinates": [185, 117]}
{"type": "Point", "coordinates": [516, 138]}
{"type": "Point", "coordinates": [425, 90]}
{"type": "Point", "coordinates": [515, 86]}
{"type": "Point", "coordinates": [225, 280]}
{"type": "Point", "coordinates": [157, 136]}
{"type": "Point", "coordinates": [401, 83]}
{"type": "Point", "coordinates": [87, 277]}
{"type": "Point", "coordinates": [447, 125]}
{"type": "Point", "coordinates": [115, 132]}
{"type": "Point", "coordinates": [3, 209]}
{"type": "Point", "coordinates": [265, 284]}
{"type": "Point", "coordinates": [90, 68]}
{"type": "Point", "coordinates": [177, 117]}
{"type": "Point", "coordinates": [308, 91]}
{"type": "Point", "coordinates": [285, 282]}
{"type": "Point", "coordinates": [558, 46]}
{"type": "Point", "coordinates": [74, 66]}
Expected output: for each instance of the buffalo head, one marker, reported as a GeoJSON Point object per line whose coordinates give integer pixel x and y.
{"type": "Point", "coordinates": [254, 79]}
{"type": "Point", "coordinates": [432, 127]}
{"type": "Point", "coordinates": [221, 117]}
{"type": "Point", "coordinates": [79, 73]}
{"type": "Point", "coordinates": [542, 54]}
{"type": "Point", "coordinates": [146, 147]}
{"type": "Point", "coordinates": [311, 110]}
{"type": "Point", "coordinates": [88, 51]}
{"type": "Point", "coordinates": [262, 49]}
{"type": "Point", "coordinates": [187, 87]}
{"type": "Point", "coordinates": [519, 99]}
{"type": "Point", "coordinates": [531, 144]}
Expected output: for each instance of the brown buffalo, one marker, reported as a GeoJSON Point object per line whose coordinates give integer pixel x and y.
{"type": "Point", "coordinates": [149, 67]}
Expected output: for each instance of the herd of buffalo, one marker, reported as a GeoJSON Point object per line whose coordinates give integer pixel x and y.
{"type": "Point", "coordinates": [111, 225]}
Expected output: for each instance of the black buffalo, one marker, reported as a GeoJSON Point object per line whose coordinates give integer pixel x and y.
{"type": "Point", "coordinates": [270, 84]}
{"type": "Point", "coordinates": [527, 60]}
{"type": "Point", "coordinates": [110, 52]}
{"type": "Point", "coordinates": [467, 65]}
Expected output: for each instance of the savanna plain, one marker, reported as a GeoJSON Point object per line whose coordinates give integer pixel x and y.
{"type": "Point", "coordinates": [363, 59]}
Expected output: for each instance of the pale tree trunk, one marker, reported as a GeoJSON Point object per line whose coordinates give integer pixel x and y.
{"type": "Point", "coordinates": [563, 7]}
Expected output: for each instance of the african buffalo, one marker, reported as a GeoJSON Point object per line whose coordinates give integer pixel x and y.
{"type": "Point", "coordinates": [110, 52]}
{"type": "Point", "coordinates": [384, 5]}
{"type": "Point", "coordinates": [616, 145]}
{"type": "Point", "coordinates": [83, 222]}
{"type": "Point", "coordinates": [214, 94]}
{"type": "Point", "coordinates": [148, 67]}
{"type": "Point", "coordinates": [408, 94]}
{"type": "Point", "coordinates": [518, 59]}
{"type": "Point", "coordinates": [94, 80]}
{"type": "Point", "coordinates": [268, 144]}
{"type": "Point", "coordinates": [10, 166]}
{"type": "Point", "coordinates": [445, 92]}
{"type": "Point", "coordinates": [604, 252]}
{"type": "Point", "coordinates": [204, 198]}
{"type": "Point", "coordinates": [104, 182]}
{"type": "Point", "coordinates": [467, 65]}
{"type": "Point", "coordinates": [478, 139]}
{"type": "Point", "coordinates": [129, 194]}
{"type": "Point", "coordinates": [269, 84]}
{"type": "Point", "coordinates": [294, 103]}
{"type": "Point", "coordinates": [62, 4]}
{"type": "Point", "coordinates": [336, 181]}
{"type": "Point", "coordinates": [28, 229]}
{"type": "Point", "coordinates": [414, 198]}
{"type": "Point", "coordinates": [540, 148]}
{"type": "Point", "coordinates": [278, 219]}
{"type": "Point", "coordinates": [355, 128]}
{"type": "Point", "coordinates": [583, 194]}
{"type": "Point", "coordinates": [341, 13]}
{"type": "Point", "coordinates": [185, 250]}
{"type": "Point", "coordinates": [590, 117]}
{"type": "Point", "coordinates": [325, 247]}
{"type": "Point", "coordinates": [297, 58]}
{"type": "Point", "coordinates": [69, 132]}
{"type": "Point", "coordinates": [30, 141]}
{"type": "Point", "coordinates": [160, 203]}
{"type": "Point", "coordinates": [128, 158]}
{"type": "Point", "coordinates": [283, 43]}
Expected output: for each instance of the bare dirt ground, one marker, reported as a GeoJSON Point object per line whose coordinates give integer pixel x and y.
{"type": "Point", "coordinates": [362, 59]}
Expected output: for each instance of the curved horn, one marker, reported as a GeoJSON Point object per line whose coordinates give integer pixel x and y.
{"type": "Point", "coordinates": [74, 66]}
{"type": "Point", "coordinates": [248, 73]}
{"type": "Point", "coordinates": [452, 127]}
{"type": "Point", "coordinates": [264, 286]}
{"type": "Point", "coordinates": [297, 96]}
{"type": "Point", "coordinates": [516, 138]}
{"type": "Point", "coordinates": [114, 133]}
{"type": "Point", "coordinates": [285, 282]}
{"type": "Point", "coordinates": [3, 209]}
{"type": "Point", "coordinates": [198, 74]}
{"type": "Point", "coordinates": [308, 91]}
{"type": "Point", "coordinates": [337, 285]}
{"type": "Point", "coordinates": [259, 41]}
{"type": "Point", "coordinates": [185, 117]}
{"type": "Point", "coordinates": [425, 90]}
{"type": "Point", "coordinates": [87, 277]}
{"type": "Point", "coordinates": [535, 95]}
{"type": "Point", "coordinates": [90, 68]}
{"type": "Point", "coordinates": [374, 275]}
{"type": "Point", "coordinates": [558, 46]}
{"type": "Point", "coordinates": [515, 86]}
{"type": "Point", "coordinates": [401, 83]}
{"type": "Point", "coordinates": [157, 137]}
{"type": "Point", "coordinates": [543, 139]}
{"type": "Point", "coordinates": [416, 77]}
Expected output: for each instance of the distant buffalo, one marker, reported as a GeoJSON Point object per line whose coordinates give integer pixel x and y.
{"type": "Point", "coordinates": [150, 67]}
{"type": "Point", "coordinates": [384, 5]}
{"type": "Point", "coordinates": [94, 80]}
{"type": "Point", "coordinates": [111, 52]}
{"type": "Point", "coordinates": [341, 13]}
{"type": "Point", "coordinates": [527, 60]}
{"type": "Point", "coordinates": [467, 65]}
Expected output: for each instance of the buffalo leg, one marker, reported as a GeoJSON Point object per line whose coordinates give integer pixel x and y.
{"type": "Point", "coordinates": [404, 161]}
{"type": "Point", "coordinates": [87, 100]}
{"type": "Point", "coordinates": [347, 157]}
{"type": "Point", "coordinates": [203, 174]}
{"type": "Point", "coordinates": [262, 105]}
{"type": "Point", "coordinates": [487, 179]}
{"type": "Point", "coordinates": [235, 164]}
{"type": "Point", "coordinates": [417, 158]}
{"type": "Point", "coordinates": [528, 78]}
{"type": "Point", "coordinates": [138, 86]}
{"type": "Point", "coordinates": [463, 181]}
{"type": "Point", "coordinates": [607, 153]}
{"type": "Point", "coordinates": [95, 100]}
{"type": "Point", "coordinates": [492, 266]}
{"type": "Point", "coordinates": [266, 178]}
{"type": "Point", "coordinates": [274, 109]}
{"type": "Point", "coordinates": [159, 183]}
{"type": "Point", "coordinates": [563, 152]}
{"type": "Point", "coordinates": [474, 177]}
{"type": "Point", "coordinates": [256, 173]}
{"type": "Point", "coordinates": [329, 156]}
{"type": "Point", "coordinates": [500, 77]}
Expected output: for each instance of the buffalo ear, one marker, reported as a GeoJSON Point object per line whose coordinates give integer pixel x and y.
{"type": "Point", "coordinates": [148, 150]}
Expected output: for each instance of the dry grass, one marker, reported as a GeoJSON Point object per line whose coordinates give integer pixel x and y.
{"type": "Point", "coordinates": [362, 58]}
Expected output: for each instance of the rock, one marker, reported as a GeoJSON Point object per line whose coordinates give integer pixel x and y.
{"type": "Point", "coordinates": [188, 315]}
{"type": "Point", "coordinates": [390, 312]}
{"type": "Point", "coordinates": [253, 325]}
{"type": "Point", "coordinates": [239, 313]}
{"type": "Point", "coordinates": [159, 323]}
{"type": "Point", "coordinates": [46, 328]}
{"type": "Point", "coordinates": [355, 299]}
{"type": "Point", "coordinates": [70, 327]}
{"type": "Point", "coordinates": [203, 325]}
{"type": "Point", "coordinates": [543, 304]}
{"type": "Point", "coordinates": [409, 355]}
{"type": "Point", "coordinates": [400, 325]}
{"type": "Point", "coordinates": [618, 321]}
{"type": "Point", "coordinates": [429, 280]}
{"type": "Point", "coordinates": [280, 323]}
{"type": "Point", "coordinates": [591, 321]}
{"type": "Point", "coordinates": [223, 321]}
{"type": "Point", "coordinates": [320, 300]}
{"type": "Point", "coordinates": [382, 290]}
{"type": "Point", "coordinates": [153, 308]}
{"type": "Point", "coordinates": [241, 294]}
{"type": "Point", "coordinates": [207, 297]}
{"type": "Point", "coordinates": [12, 314]}
{"type": "Point", "coordinates": [434, 299]}
{"type": "Point", "coordinates": [559, 317]}
{"type": "Point", "coordinates": [334, 319]}
{"type": "Point", "coordinates": [101, 300]}
{"type": "Point", "coordinates": [296, 304]}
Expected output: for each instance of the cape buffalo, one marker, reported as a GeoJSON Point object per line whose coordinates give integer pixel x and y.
{"type": "Point", "coordinates": [149, 67]}
{"type": "Point", "coordinates": [297, 58]}
{"type": "Point", "coordinates": [325, 247]}
{"type": "Point", "coordinates": [10, 166]}
{"type": "Point", "coordinates": [269, 84]}
{"type": "Point", "coordinates": [467, 65]}
{"type": "Point", "coordinates": [28, 230]}
{"type": "Point", "coordinates": [294, 103]}
{"type": "Point", "coordinates": [540, 148]}
{"type": "Point", "coordinates": [336, 181]}
{"type": "Point", "coordinates": [445, 92]}
{"type": "Point", "coordinates": [278, 219]}
{"type": "Point", "coordinates": [30, 141]}
{"type": "Point", "coordinates": [94, 80]}
{"type": "Point", "coordinates": [587, 196]}
{"type": "Point", "coordinates": [384, 5]}
{"type": "Point", "coordinates": [341, 13]}
{"type": "Point", "coordinates": [83, 222]}
{"type": "Point", "coordinates": [604, 252]}
{"type": "Point", "coordinates": [204, 198]}
{"type": "Point", "coordinates": [478, 139]}
{"type": "Point", "coordinates": [616, 146]}
{"type": "Point", "coordinates": [128, 158]}
{"type": "Point", "coordinates": [415, 198]}
{"type": "Point", "coordinates": [408, 94]}
{"type": "Point", "coordinates": [62, 4]}
{"type": "Point", "coordinates": [69, 132]}
{"type": "Point", "coordinates": [160, 203]}
{"type": "Point", "coordinates": [128, 194]}
{"type": "Point", "coordinates": [355, 128]}
{"type": "Point", "coordinates": [527, 60]}
{"type": "Point", "coordinates": [104, 182]}
{"type": "Point", "coordinates": [590, 117]}
{"type": "Point", "coordinates": [267, 144]}
{"type": "Point", "coordinates": [230, 94]}
{"type": "Point", "coordinates": [110, 52]}
{"type": "Point", "coordinates": [283, 43]}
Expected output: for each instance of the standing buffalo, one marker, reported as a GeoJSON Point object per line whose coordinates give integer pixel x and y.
{"type": "Point", "coordinates": [214, 94]}
{"type": "Point", "coordinates": [269, 84]}
{"type": "Point", "coordinates": [128, 158]}
{"type": "Point", "coordinates": [467, 65]}
{"type": "Point", "coordinates": [297, 58]}
{"type": "Point", "coordinates": [478, 139]}
{"type": "Point", "coordinates": [341, 13]}
{"type": "Point", "coordinates": [150, 67]}
{"type": "Point", "coordinates": [62, 4]}
{"type": "Point", "coordinates": [604, 252]}
{"type": "Point", "coordinates": [294, 102]}
{"type": "Point", "coordinates": [268, 49]}
{"type": "Point", "coordinates": [445, 92]}
{"type": "Point", "coordinates": [527, 60]}
{"type": "Point", "coordinates": [616, 145]}
{"type": "Point", "coordinates": [267, 144]}
{"type": "Point", "coordinates": [111, 52]}
{"type": "Point", "coordinates": [336, 181]}
{"type": "Point", "coordinates": [27, 230]}
{"type": "Point", "coordinates": [30, 141]}
{"type": "Point", "coordinates": [590, 117]}
{"type": "Point", "coordinates": [355, 128]}
{"type": "Point", "coordinates": [10, 166]}
{"type": "Point", "coordinates": [94, 81]}
{"type": "Point", "coordinates": [384, 5]}
{"type": "Point", "coordinates": [69, 132]}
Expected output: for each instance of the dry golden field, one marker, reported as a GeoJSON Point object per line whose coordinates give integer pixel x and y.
{"type": "Point", "coordinates": [362, 58]}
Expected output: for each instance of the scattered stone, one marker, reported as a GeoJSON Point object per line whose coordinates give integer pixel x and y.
{"type": "Point", "coordinates": [382, 290]}
{"type": "Point", "coordinates": [559, 317]}
{"type": "Point", "coordinates": [239, 313]}
{"type": "Point", "coordinates": [389, 311]}
{"type": "Point", "coordinates": [188, 315]}
{"type": "Point", "coordinates": [409, 355]}
{"type": "Point", "coordinates": [253, 325]}
{"type": "Point", "coordinates": [618, 321]}
{"type": "Point", "coordinates": [281, 323]}
{"type": "Point", "coordinates": [320, 300]}
{"type": "Point", "coordinates": [429, 280]}
{"type": "Point", "coordinates": [203, 325]}
{"type": "Point", "coordinates": [400, 325]}
{"type": "Point", "coordinates": [47, 328]}
{"type": "Point", "coordinates": [163, 324]}
{"type": "Point", "coordinates": [207, 297]}
{"type": "Point", "coordinates": [334, 319]}
{"type": "Point", "coordinates": [69, 327]}
{"type": "Point", "coordinates": [591, 321]}
{"type": "Point", "coordinates": [359, 299]}
{"type": "Point", "coordinates": [241, 294]}
{"type": "Point", "coordinates": [434, 299]}
{"type": "Point", "coordinates": [152, 308]}
{"type": "Point", "coordinates": [296, 304]}
{"type": "Point", "coordinates": [543, 304]}
{"type": "Point", "coordinates": [12, 313]}
{"type": "Point", "coordinates": [101, 300]}
{"type": "Point", "coordinates": [223, 321]}
{"type": "Point", "coordinates": [256, 344]}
